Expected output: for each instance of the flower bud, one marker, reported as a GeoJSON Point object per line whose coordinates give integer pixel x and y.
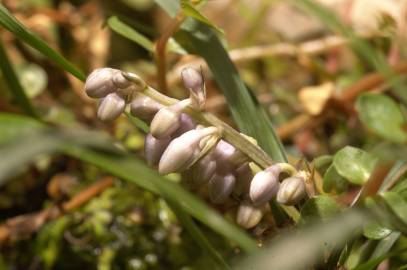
{"type": "Point", "coordinates": [120, 81]}
{"type": "Point", "coordinates": [248, 215]}
{"type": "Point", "coordinates": [292, 190]}
{"type": "Point", "coordinates": [183, 151]}
{"type": "Point", "coordinates": [144, 108]}
{"type": "Point", "coordinates": [166, 121]}
{"type": "Point", "coordinates": [111, 107]}
{"type": "Point", "coordinates": [244, 177]}
{"type": "Point", "coordinates": [265, 185]}
{"type": "Point", "coordinates": [100, 83]}
{"type": "Point", "coordinates": [227, 155]}
{"type": "Point", "coordinates": [154, 148]}
{"type": "Point", "coordinates": [193, 81]}
{"type": "Point", "coordinates": [186, 123]}
{"type": "Point", "coordinates": [220, 187]}
{"type": "Point", "coordinates": [203, 170]}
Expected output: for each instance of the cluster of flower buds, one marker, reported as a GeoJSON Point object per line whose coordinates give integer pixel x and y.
{"type": "Point", "coordinates": [208, 164]}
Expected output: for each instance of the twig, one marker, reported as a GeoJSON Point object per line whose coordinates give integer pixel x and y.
{"type": "Point", "coordinates": [281, 49]}
{"type": "Point", "coordinates": [160, 50]}
{"type": "Point", "coordinates": [23, 226]}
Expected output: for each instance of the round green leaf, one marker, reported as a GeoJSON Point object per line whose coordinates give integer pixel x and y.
{"type": "Point", "coordinates": [375, 231]}
{"type": "Point", "coordinates": [397, 204]}
{"type": "Point", "coordinates": [319, 207]}
{"type": "Point", "coordinates": [354, 164]}
{"type": "Point", "coordinates": [334, 181]}
{"type": "Point", "coordinates": [33, 78]}
{"type": "Point", "coordinates": [383, 116]}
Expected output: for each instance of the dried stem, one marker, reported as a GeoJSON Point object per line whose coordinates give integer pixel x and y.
{"type": "Point", "coordinates": [161, 52]}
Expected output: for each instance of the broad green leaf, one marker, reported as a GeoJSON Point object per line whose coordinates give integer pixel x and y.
{"type": "Point", "coordinates": [375, 231]}
{"type": "Point", "coordinates": [13, 82]}
{"type": "Point", "coordinates": [354, 164]}
{"type": "Point", "coordinates": [333, 181]}
{"type": "Point", "coordinates": [383, 116]}
{"type": "Point", "coordinates": [12, 126]}
{"type": "Point", "coordinates": [191, 11]}
{"type": "Point", "coordinates": [359, 253]}
{"type": "Point", "coordinates": [322, 163]}
{"type": "Point", "coordinates": [128, 32]}
{"type": "Point", "coordinates": [8, 21]}
{"type": "Point", "coordinates": [198, 38]}
{"type": "Point", "coordinates": [319, 207]}
{"type": "Point", "coordinates": [397, 204]}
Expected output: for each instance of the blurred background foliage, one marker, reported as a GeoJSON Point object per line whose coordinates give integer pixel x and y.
{"type": "Point", "coordinates": [64, 201]}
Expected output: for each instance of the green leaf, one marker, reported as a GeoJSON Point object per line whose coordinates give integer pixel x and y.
{"type": "Point", "coordinates": [250, 118]}
{"type": "Point", "coordinates": [14, 26]}
{"type": "Point", "coordinates": [397, 204]}
{"type": "Point", "coordinates": [383, 116]}
{"type": "Point", "coordinates": [191, 11]}
{"type": "Point", "coordinates": [128, 32]}
{"type": "Point", "coordinates": [375, 231]}
{"type": "Point", "coordinates": [333, 181]}
{"type": "Point", "coordinates": [13, 83]}
{"type": "Point", "coordinates": [319, 207]}
{"type": "Point", "coordinates": [354, 164]}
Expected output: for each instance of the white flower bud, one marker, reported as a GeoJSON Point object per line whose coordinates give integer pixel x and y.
{"type": "Point", "coordinates": [265, 185]}
{"type": "Point", "coordinates": [183, 151]}
{"type": "Point", "coordinates": [144, 107]}
{"type": "Point", "coordinates": [100, 83]}
{"type": "Point", "coordinates": [194, 82]}
{"type": "Point", "coordinates": [291, 191]}
{"type": "Point", "coordinates": [154, 148]}
{"type": "Point", "coordinates": [227, 155]}
{"type": "Point", "coordinates": [244, 177]}
{"type": "Point", "coordinates": [111, 107]}
{"type": "Point", "coordinates": [220, 187]}
{"type": "Point", "coordinates": [248, 215]}
{"type": "Point", "coordinates": [166, 121]}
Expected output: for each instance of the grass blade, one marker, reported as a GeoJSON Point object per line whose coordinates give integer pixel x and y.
{"type": "Point", "coordinates": [201, 39]}
{"type": "Point", "coordinates": [77, 144]}
{"type": "Point", "coordinates": [13, 83]}
{"type": "Point", "coordinates": [198, 236]}
{"type": "Point", "coordinates": [8, 21]}
{"type": "Point", "coordinates": [128, 32]}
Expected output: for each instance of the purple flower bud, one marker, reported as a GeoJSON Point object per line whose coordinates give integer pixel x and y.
{"type": "Point", "coordinates": [203, 170]}
{"type": "Point", "coordinates": [244, 177]}
{"type": "Point", "coordinates": [120, 81]}
{"type": "Point", "coordinates": [186, 124]}
{"type": "Point", "coordinates": [154, 148]}
{"type": "Point", "coordinates": [248, 215]}
{"type": "Point", "coordinates": [194, 82]}
{"type": "Point", "coordinates": [292, 190]}
{"type": "Point", "coordinates": [111, 107]}
{"type": "Point", "coordinates": [166, 121]}
{"type": "Point", "coordinates": [144, 108]}
{"type": "Point", "coordinates": [227, 155]}
{"type": "Point", "coordinates": [265, 185]}
{"type": "Point", "coordinates": [220, 187]}
{"type": "Point", "coordinates": [100, 83]}
{"type": "Point", "coordinates": [183, 151]}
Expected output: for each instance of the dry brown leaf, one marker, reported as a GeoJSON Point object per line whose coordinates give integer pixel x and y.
{"type": "Point", "coordinates": [314, 98]}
